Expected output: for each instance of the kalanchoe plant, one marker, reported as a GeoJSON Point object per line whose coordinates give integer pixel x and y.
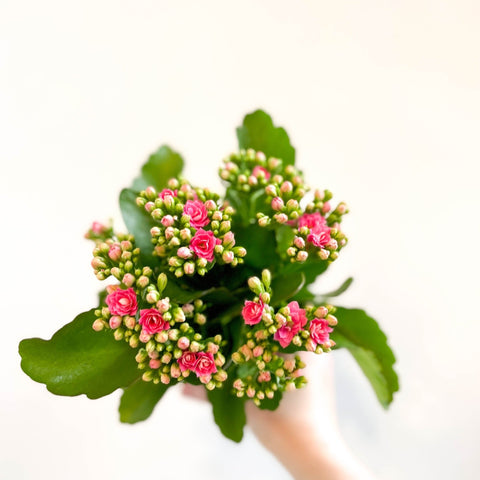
{"type": "Point", "coordinates": [213, 290]}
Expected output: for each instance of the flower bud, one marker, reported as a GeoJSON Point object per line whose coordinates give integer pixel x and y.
{"type": "Point", "coordinates": [299, 242]}
{"type": "Point", "coordinates": [161, 337]}
{"type": "Point", "coordinates": [129, 322]}
{"type": "Point", "coordinates": [302, 255]}
{"type": "Point", "coordinates": [115, 322]}
{"type": "Point", "coordinates": [164, 378]}
{"type": "Point", "coordinates": [228, 256]}
{"type": "Point", "coordinates": [115, 252]}
{"type": "Point", "coordinates": [152, 296]}
{"type": "Point", "coordinates": [277, 204]}
{"type": "Point", "coordinates": [331, 320]}
{"type": "Point", "coordinates": [144, 337]}
{"type": "Point", "coordinates": [265, 297]}
{"type": "Point", "coordinates": [255, 285]}
{"type": "Point", "coordinates": [128, 279]}
{"type": "Point", "coordinates": [281, 217]}
{"type": "Point", "coordinates": [98, 325]}
{"type": "Point", "coordinates": [183, 343]}
{"type": "Point", "coordinates": [271, 190]}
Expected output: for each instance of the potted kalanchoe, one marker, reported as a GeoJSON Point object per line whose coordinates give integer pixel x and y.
{"type": "Point", "coordinates": [213, 290]}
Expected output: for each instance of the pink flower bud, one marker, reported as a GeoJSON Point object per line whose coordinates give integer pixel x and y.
{"type": "Point", "coordinates": [115, 252]}
{"type": "Point", "coordinates": [164, 378]}
{"type": "Point", "coordinates": [326, 207]}
{"type": "Point", "coordinates": [149, 206]}
{"type": "Point", "coordinates": [183, 343]}
{"type": "Point", "coordinates": [281, 217]}
{"type": "Point", "coordinates": [163, 305]}
{"type": "Point", "coordinates": [257, 351]}
{"type": "Point", "coordinates": [250, 392]}
{"type": "Point", "coordinates": [97, 262]}
{"type": "Point", "coordinates": [290, 387]}
{"type": "Point", "coordinates": [97, 325]}
{"type": "Point", "coordinates": [205, 378]}
{"type": "Point", "coordinates": [221, 376]}
{"type": "Point", "coordinates": [144, 336]}
{"type": "Point", "coordinates": [323, 254]}
{"type": "Point", "coordinates": [289, 364]}
{"type": "Point", "coordinates": [264, 377]}
{"type": "Point", "coordinates": [169, 233]}
{"type": "Point", "coordinates": [161, 337]}
{"type": "Point", "coordinates": [310, 345]}
{"type": "Point", "coordinates": [332, 244]}
{"type": "Point", "coordinates": [115, 322]}
{"type": "Point", "coordinates": [286, 187]}
{"type": "Point", "coordinates": [154, 363]}
{"type": "Point", "coordinates": [277, 203]}
{"type": "Point", "coordinates": [321, 312]}
{"type": "Point", "coordinates": [130, 322]}
{"type": "Point", "coordinates": [271, 190]}
{"type": "Point", "coordinates": [229, 239]}
{"type": "Point", "coordinates": [212, 348]}
{"type": "Point", "coordinates": [167, 221]}
{"type": "Point", "coordinates": [189, 268]}
{"type": "Point", "coordinates": [331, 320]}
{"type": "Point", "coordinates": [299, 242]}
{"type": "Point", "coordinates": [302, 255]}
{"type": "Point", "coordinates": [98, 228]}
{"type": "Point", "coordinates": [341, 208]}
{"type": "Point", "coordinates": [175, 371]}
{"type": "Point", "coordinates": [252, 180]}
{"type": "Point", "coordinates": [238, 384]}
{"type": "Point", "coordinates": [228, 256]}
{"type": "Point", "coordinates": [184, 252]}
{"type": "Point", "coordinates": [128, 279]}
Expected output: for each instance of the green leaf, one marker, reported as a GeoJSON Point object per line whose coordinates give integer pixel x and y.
{"type": "Point", "coordinates": [284, 287]}
{"type": "Point", "coordinates": [260, 245]}
{"type": "Point", "coordinates": [139, 400]}
{"type": "Point", "coordinates": [342, 288]}
{"type": "Point", "coordinates": [258, 132]}
{"type": "Point", "coordinates": [271, 403]}
{"type": "Point", "coordinates": [160, 167]}
{"type": "Point", "coordinates": [228, 411]}
{"type": "Point", "coordinates": [284, 236]}
{"type": "Point", "coordinates": [361, 335]}
{"type": "Point", "coordinates": [79, 360]}
{"type": "Point", "coordinates": [138, 222]}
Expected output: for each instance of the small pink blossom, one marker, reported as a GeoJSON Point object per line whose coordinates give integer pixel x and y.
{"type": "Point", "coordinates": [152, 321]}
{"type": "Point", "coordinates": [187, 361]}
{"type": "Point", "coordinates": [258, 170]}
{"type": "Point", "coordinates": [311, 220]}
{"type": "Point", "coordinates": [122, 302]}
{"type": "Point", "coordinates": [205, 364]}
{"type": "Point", "coordinates": [321, 238]}
{"type": "Point", "coordinates": [203, 244]}
{"type": "Point", "coordinates": [285, 334]}
{"type": "Point", "coordinates": [98, 228]}
{"type": "Point", "coordinates": [252, 312]}
{"type": "Point", "coordinates": [319, 330]}
{"type": "Point", "coordinates": [298, 315]}
{"type": "Point", "coordinates": [166, 192]}
{"type": "Point", "coordinates": [197, 212]}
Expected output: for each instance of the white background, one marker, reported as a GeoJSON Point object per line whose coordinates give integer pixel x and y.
{"type": "Point", "coordinates": [382, 101]}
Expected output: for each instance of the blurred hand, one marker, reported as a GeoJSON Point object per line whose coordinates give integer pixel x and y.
{"type": "Point", "coordinates": [303, 433]}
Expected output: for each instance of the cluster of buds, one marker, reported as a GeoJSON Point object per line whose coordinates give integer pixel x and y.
{"type": "Point", "coordinates": [169, 349]}
{"type": "Point", "coordinates": [98, 232]}
{"type": "Point", "coordinates": [316, 237]}
{"type": "Point", "coordinates": [193, 230]}
{"type": "Point", "coordinates": [262, 371]}
{"type": "Point", "coordinates": [283, 186]}
{"type": "Point", "coordinates": [118, 256]}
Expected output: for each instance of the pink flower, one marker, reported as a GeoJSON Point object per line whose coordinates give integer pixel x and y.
{"type": "Point", "coordinates": [98, 228]}
{"type": "Point", "coordinates": [122, 302]}
{"type": "Point", "coordinates": [321, 238]}
{"type": "Point", "coordinates": [299, 318]}
{"type": "Point", "coordinates": [152, 321]}
{"type": "Point", "coordinates": [319, 331]}
{"type": "Point", "coordinates": [203, 244]}
{"type": "Point", "coordinates": [187, 361]}
{"type": "Point", "coordinates": [197, 212]}
{"type": "Point", "coordinates": [285, 334]}
{"type": "Point", "coordinates": [252, 312]}
{"type": "Point", "coordinates": [166, 192]}
{"type": "Point", "coordinates": [258, 170]}
{"type": "Point", "coordinates": [205, 364]}
{"type": "Point", "coordinates": [311, 220]}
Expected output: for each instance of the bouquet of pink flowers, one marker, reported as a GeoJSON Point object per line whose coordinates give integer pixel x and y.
{"type": "Point", "coordinates": [213, 290]}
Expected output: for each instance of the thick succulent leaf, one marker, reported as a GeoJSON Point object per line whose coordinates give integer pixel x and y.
{"type": "Point", "coordinates": [260, 245]}
{"type": "Point", "coordinates": [139, 400]}
{"type": "Point", "coordinates": [138, 222]}
{"type": "Point", "coordinates": [338, 291]}
{"type": "Point", "coordinates": [259, 132]}
{"type": "Point", "coordinates": [160, 167]}
{"type": "Point", "coordinates": [361, 335]}
{"type": "Point", "coordinates": [285, 287]}
{"type": "Point", "coordinates": [228, 411]}
{"type": "Point", "coordinates": [79, 360]}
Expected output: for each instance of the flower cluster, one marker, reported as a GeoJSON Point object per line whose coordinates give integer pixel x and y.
{"type": "Point", "coordinates": [262, 371]}
{"type": "Point", "coordinates": [168, 347]}
{"type": "Point", "coordinates": [193, 230]}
